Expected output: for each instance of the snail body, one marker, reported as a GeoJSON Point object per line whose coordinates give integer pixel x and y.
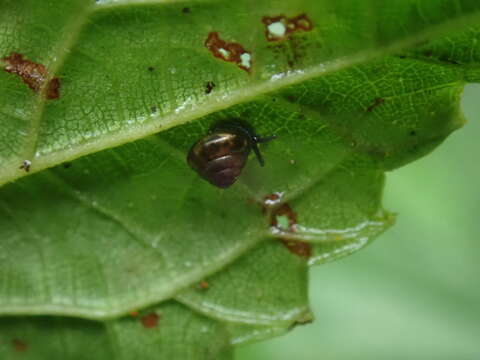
{"type": "Point", "coordinates": [221, 155]}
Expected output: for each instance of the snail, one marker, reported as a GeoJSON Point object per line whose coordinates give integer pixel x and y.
{"type": "Point", "coordinates": [220, 156]}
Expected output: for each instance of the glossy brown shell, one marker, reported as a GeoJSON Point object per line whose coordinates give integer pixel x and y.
{"type": "Point", "coordinates": [220, 157]}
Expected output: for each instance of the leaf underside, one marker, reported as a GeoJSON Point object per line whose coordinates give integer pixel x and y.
{"type": "Point", "coordinates": [112, 226]}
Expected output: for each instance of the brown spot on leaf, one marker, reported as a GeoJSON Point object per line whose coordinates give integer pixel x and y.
{"type": "Point", "coordinates": [273, 206]}
{"type": "Point", "coordinates": [230, 52]}
{"type": "Point", "coordinates": [293, 50]}
{"type": "Point", "coordinates": [376, 102]}
{"type": "Point", "coordinates": [203, 285]}
{"type": "Point", "coordinates": [270, 202]}
{"type": "Point", "coordinates": [33, 74]}
{"type": "Point", "coordinates": [53, 89]}
{"type": "Point", "coordinates": [209, 87]}
{"type": "Point", "coordinates": [284, 219]}
{"type": "Point", "coordinates": [19, 345]}
{"type": "Point", "coordinates": [284, 210]}
{"type": "Point", "coordinates": [150, 321]}
{"type": "Point", "coordinates": [133, 313]}
{"type": "Point", "coordinates": [280, 27]}
{"type": "Point", "coordinates": [299, 248]}
{"type": "Point", "coordinates": [272, 197]}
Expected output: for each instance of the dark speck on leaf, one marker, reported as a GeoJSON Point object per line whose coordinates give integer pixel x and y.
{"type": "Point", "coordinates": [376, 102]}
{"type": "Point", "coordinates": [67, 165]}
{"type": "Point", "coordinates": [25, 165]}
{"type": "Point", "coordinates": [413, 133]}
{"type": "Point", "coordinates": [151, 68]}
{"type": "Point", "coordinates": [186, 10]}
{"type": "Point", "coordinates": [209, 86]}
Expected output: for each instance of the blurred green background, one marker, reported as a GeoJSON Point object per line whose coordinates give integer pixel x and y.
{"type": "Point", "coordinates": [415, 292]}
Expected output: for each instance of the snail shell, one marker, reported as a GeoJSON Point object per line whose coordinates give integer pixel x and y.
{"type": "Point", "coordinates": [220, 156]}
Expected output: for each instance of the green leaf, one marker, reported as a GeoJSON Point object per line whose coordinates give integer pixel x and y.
{"type": "Point", "coordinates": [235, 296]}
{"type": "Point", "coordinates": [457, 49]}
{"type": "Point", "coordinates": [132, 226]}
{"type": "Point", "coordinates": [174, 332]}
{"type": "Point", "coordinates": [121, 77]}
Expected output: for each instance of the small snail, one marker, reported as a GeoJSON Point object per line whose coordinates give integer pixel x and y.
{"type": "Point", "coordinates": [220, 156]}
